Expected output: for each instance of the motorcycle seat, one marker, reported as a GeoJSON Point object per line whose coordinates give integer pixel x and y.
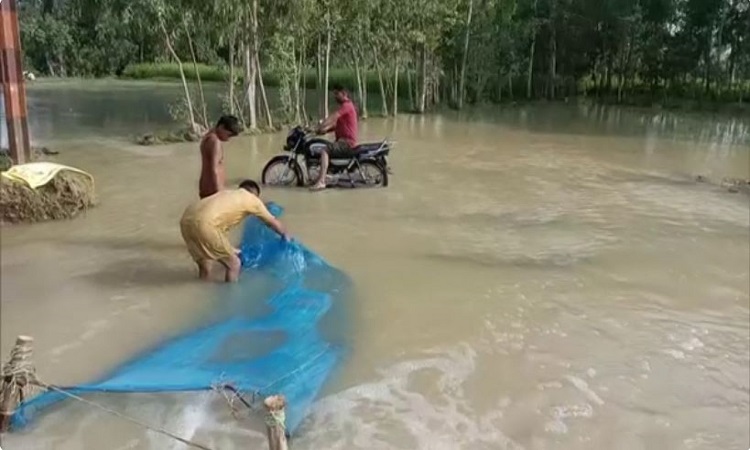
{"type": "Point", "coordinates": [367, 147]}
{"type": "Point", "coordinates": [370, 148]}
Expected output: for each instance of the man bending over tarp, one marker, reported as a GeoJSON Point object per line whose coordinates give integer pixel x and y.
{"type": "Point", "coordinates": [205, 223]}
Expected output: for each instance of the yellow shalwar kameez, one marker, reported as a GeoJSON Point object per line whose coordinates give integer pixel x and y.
{"type": "Point", "coordinates": [206, 222]}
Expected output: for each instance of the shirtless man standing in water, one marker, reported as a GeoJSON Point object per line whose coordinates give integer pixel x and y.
{"type": "Point", "coordinates": [212, 155]}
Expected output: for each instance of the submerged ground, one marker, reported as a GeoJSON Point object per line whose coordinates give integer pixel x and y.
{"type": "Point", "coordinates": [535, 277]}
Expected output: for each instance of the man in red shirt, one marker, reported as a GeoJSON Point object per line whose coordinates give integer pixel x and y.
{"type": "Point", "coordinates": [343, 123]}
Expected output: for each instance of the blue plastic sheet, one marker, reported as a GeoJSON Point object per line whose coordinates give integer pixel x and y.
{"type": "Point", "coordinates": [289, 345]}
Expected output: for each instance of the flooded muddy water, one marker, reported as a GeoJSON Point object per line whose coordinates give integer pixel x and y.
{"type": "Point", "coordinates": [541, 277]}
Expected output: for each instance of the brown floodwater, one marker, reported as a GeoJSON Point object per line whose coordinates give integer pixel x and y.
{"type": "Point", "coordinates": [543, 277]}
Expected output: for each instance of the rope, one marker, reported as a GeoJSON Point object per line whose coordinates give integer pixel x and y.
{"type": "Point", "coordinates": [302, 367]}
{"type": "Point", "coordinates": [276, 419]}
{"type": "Point", "coordinates": [19, 364]}
{"type": "Point", "coordinates": [19, 371]}
{"type": "Point", "coordinates": [237, 394]}
{"type": "Point", "coordinates": [16, 375]}
{"type": "Point", "coordinates": [258, 393]}
{"type": "Point", "coordinates": [124, 417]}
{"type": "Point", "coordinates": [272, 418]}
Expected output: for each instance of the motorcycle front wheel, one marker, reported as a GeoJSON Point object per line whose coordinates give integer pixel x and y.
{"type": "Point", "coordinates": [282, 171]}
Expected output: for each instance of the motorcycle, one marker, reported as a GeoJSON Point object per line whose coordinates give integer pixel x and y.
{"type": "Point", "coordinates": [369, 167]}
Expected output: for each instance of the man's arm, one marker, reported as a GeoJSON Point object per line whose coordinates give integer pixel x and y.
{"type": "Point", "coordinates": [329, 123]}
{"type": "Point", "coordinates": [278, 227]}
{"type": "Point", "coordinates": [272, 222]}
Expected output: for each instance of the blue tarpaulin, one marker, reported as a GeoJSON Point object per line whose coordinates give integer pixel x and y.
{"type": "Point", "coordinates": [289, 345]}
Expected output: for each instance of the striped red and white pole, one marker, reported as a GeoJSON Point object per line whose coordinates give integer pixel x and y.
{"type": "Point", "coordinates": [12, 80]}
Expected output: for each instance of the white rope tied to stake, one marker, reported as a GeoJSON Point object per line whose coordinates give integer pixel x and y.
{"type": "Point", "coordinates": [19, 365]}
{"type": "Point", "coordinates": [275, 422]}
{"type": "Point", "coordinates": [19, 373]}
{"type": "Point", "coordinates": [276, 419]}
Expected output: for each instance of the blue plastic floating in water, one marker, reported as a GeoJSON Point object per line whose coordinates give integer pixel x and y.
{"type": "Point", "coordinates": [284, 351]}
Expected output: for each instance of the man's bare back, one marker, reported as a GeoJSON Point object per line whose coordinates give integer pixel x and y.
{"type": "Point", "coordinates": [212, 165]}
{"type": "Point", "coordinates": [213, 176]}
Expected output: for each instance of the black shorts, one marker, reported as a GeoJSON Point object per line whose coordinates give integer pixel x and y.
{"type": "Point", "coordinates": [339, 150]}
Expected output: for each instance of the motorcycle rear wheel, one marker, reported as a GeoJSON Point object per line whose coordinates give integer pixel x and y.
{"type": "Point", "coordinates": [281, 171]}
{"type": "Point", "coordinates": [371, 174]}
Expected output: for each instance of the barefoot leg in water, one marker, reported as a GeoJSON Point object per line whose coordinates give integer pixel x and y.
{"type": "Point", "coordinates": [203, 269]}
{"type": "Point", "coordinates": [320, 184]}
{"type": "Point", "coordinates": [233, 265]}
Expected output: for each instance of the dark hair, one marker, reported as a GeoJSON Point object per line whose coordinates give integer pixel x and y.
{"type": "Point", "coordinates": [229, 123]}
{"type": "Point", "coordinates": [250, 186]}
{"type": "Point", "coordinates": [339, 87]}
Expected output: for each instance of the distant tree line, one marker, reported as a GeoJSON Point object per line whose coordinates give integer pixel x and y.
{"type": "Point", "coordinates": [419, 53]}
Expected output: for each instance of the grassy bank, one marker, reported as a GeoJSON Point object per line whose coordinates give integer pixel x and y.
{"type": "Point", "coordinates": [170, 71]}
{"type": "Point", "coordinates": [689, 97]}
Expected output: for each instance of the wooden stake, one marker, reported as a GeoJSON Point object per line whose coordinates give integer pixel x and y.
{"type": "Point", "coordinates": [276, 422]}
{"type": "Point", "coordinates": [17, 373]}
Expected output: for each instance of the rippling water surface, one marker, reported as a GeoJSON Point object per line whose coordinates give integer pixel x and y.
{"type": "Point", "coordinates": [546, 277]}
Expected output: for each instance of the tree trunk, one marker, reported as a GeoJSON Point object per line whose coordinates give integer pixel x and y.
{"type": "Point", "coordinates": [237, 105]}
{"type": "Point", "coordinates": [608, 76]}
{"type": "Point", "coordinates": [319, 84]}
{"type": "Point", "coordinates": [251, 69]}
{"type": "Point", "coordinates": [733, 63]}
{"type": "Point", "coordinates": [436, 84]}
{"type": "Point", "coordinates": [231, 76]}
{"type": "Point", "coordinates": [424, 84]}
{"type": "Point", "coordinates": [553, 51]}
{"type": "Point", "coordinates": [365, 93]}
{"type": "Point", "coordinates": [454, 85]}
{"type": "Point", "coordinates": [361, 87]}
{"type": "Point", "coordinates": [250, 76]}
{"type": "Point", "coordinates": [365, 113]}
{"type": "Point", "coordinates": [410, 88]}
{"type": "Point", "coordinates": [168, 42]}
{"type": "Point", "coordinates": [395, 88]}
{"type": "Point", "coordinates": [384, 102]}
{"type": "Point", "coordinates": [328, 60]}
{"type": "Point", "coordinates": [462, 79]}
{"type": "Point", "coordinates": [303, 82]}
{"type": "Point", "coordinates": [197, 75]}
{"type": "Point", "coordinates": [50, 65]}
{"type": "Point", "coordinates": [707, 71]}
{"type": "Point", "coordinates": [532, 51]}
{"type": "Point", "coordinates": [358, 76]}
{"type": "Point", "coordinates": [510, 85]}
{"type": "Point", "coordinates": [530, 72]}
{"type": "Point", "coordinates": [266, 108]}
{"type": "Point", "coordinates": [297, 81]}
{"type": "Point", "coordinates": [625, 71]}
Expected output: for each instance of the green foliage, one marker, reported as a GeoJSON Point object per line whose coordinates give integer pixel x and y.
{"type": "Point", "coordinates": [170, 70]}
{"type": "Point", "coordinates": [272, 78]}
{"type": "Point", "coordinates": [609, 49]}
